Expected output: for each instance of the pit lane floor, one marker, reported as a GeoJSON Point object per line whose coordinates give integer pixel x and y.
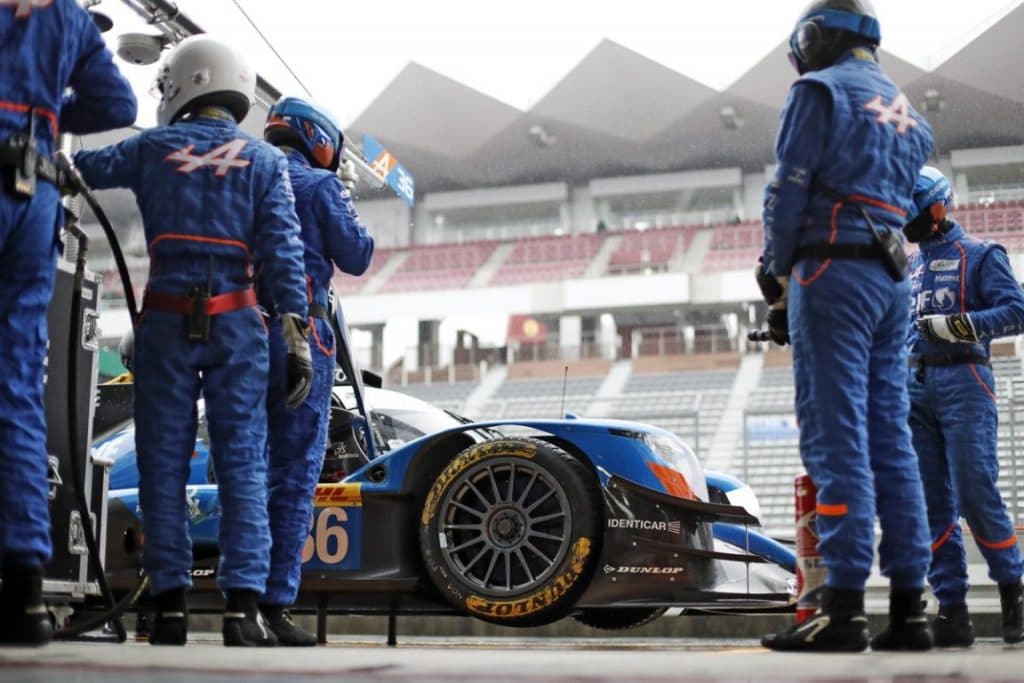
{"type": "Point", "coordinates": [498, 660]}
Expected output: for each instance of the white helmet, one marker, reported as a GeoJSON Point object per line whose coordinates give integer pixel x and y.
{"type": "Point", "coordinates": [201, 70]}
{"type": "Point", "coordinates": [127, 349]}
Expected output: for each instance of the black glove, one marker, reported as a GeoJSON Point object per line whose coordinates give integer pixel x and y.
{"type": "Point", "coordinates": [771, 288]}
{"type": "Point", "coordinates": [299, 365]}
{"type": "Point", "coordinates": [69, 179]}
{"type": "Point", "coordinates": [778, 326]}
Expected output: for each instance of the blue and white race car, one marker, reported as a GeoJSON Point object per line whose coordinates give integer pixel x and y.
{"type": "Point", "coordinates": [517, 522]}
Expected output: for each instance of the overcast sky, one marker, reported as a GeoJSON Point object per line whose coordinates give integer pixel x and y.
{"type": "Point", "coordinates": [346, 51]}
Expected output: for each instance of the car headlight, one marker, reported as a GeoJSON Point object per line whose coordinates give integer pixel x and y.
{"type": "Point", "coordinates": [669, 448]}
{"type": "Point", "coordinates": [745, 498]}
{"type": "Point", "coordinates": [677, 454]}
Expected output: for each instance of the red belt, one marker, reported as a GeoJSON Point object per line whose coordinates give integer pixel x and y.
{"type": "Point", "coordinates": [222, 303]}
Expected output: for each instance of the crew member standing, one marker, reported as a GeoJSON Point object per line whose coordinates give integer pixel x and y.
{"type": "Point", "coordinates": [45, 48]}
{"type": "Point", "coordinates": [332, 235]}
{"type": "Point", "coordinates": [211, 197]}
{"type": "Point", "coordinates": [849, 149]}
{"type": "Point", "coordinates": [964, 295]}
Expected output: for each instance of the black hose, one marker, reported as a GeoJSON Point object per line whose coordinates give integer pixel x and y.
{"type": "Point", "coordinates": [100, 620]}
{"type": "Point", "coordinates": [75, 181]}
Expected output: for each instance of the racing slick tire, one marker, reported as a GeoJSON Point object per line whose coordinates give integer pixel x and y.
{"type": "Point", "coordinates": [618, 619]}
{"type": "Point", "coordinates": [510, 531]}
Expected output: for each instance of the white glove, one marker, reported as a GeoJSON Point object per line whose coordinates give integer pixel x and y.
{"type": "Point", "coordinates": [299, 366]}
{"type": "Point", "coordinates": [348, 175]}
{"type": "Point", "coordinates": [956, 328]}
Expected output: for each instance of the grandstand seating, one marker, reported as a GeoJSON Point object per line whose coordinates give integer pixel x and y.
{"type": "Point", "coordinates": [1001, 221]}
{"type": "Point", "coordinates": [541, 397]}
{"type": "Point", "coordinates": [539, 259]}
{"type": "Point", "coordinates": [654, 249]}
{"type": "Point", "coordinates": [450, 396]}
{"type": "Point", "coordinates": [689, 403]}
{"type": "Point", "coordinates": [347, 284]}
{"type": "Point", "coordinates": [734, 246]}
{"type": "Point", "coordinates": [552, 258]}
{"type": "Point", "coordinates": [737, 246]}
{"type": "Point", "coordinates": [439, 266]}
{"type": "Point", "coordinates": [523, 273]}
{"type": "Point", "coordinates": [769, 457]}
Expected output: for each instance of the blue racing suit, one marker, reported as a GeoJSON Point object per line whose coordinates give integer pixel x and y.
{"type": "Point", "coordinates": [210, 197]}
{"type": "Point", "coordinates": [953, 414]}
{"type": "Point", "coordinates": [333, 235]}
{"type": "Point", "coordinates": [44, 49]}
{"type": "Point", "coordinates": [848, 132]}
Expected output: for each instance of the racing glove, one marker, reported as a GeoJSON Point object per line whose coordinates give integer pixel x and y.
{"type": "Point", "coordinates": [299, 366]}
{"type": "Point", "coordinates": [957, 328]}
{"type": "Point", "coordinates": [773, 289]}
{"type": "Point", "coordinates": [778, 325]}
{"type": "Point", "coordinates": [348, 175]}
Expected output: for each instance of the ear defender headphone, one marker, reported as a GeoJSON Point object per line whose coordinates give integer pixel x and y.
{"type": "Point", "coordinates": [814, 37]}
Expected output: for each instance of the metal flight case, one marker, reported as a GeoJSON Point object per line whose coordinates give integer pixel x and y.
{"type": "Point", "coordinates": [69, 576]}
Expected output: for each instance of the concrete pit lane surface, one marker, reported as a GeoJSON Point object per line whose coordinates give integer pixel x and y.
{"type": "Point", "coordinates": [499, 660]}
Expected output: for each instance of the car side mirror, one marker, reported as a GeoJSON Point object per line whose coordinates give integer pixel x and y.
{"type": "Point", "coordinates": [372, 379]}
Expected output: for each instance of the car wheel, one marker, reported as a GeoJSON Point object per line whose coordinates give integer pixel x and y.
{"type": "Point", "coordinates": [618, 619]}
{"type": "Point", "coordinates": [510, 531]}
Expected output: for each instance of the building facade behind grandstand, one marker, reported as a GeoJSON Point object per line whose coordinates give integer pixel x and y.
{"type": "Point", "coordinates": [594, 254]}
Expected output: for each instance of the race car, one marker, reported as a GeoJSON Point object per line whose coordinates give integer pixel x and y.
{"type": "Point", "coordinates": [518, 522]}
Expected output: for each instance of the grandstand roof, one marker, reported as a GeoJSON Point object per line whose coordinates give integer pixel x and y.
{"type": "Point", "coordinates": [619, 112]}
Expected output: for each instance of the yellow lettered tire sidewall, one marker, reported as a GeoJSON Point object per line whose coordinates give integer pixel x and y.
{"type": "Point", "coordinates": [552, 599]}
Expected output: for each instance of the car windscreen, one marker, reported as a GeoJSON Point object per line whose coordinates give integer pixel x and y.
{"type": "Point", "coordinates": [408, 425]}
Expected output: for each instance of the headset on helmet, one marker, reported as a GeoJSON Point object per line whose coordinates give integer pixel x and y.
{"type": "Point", "coordinates": [825, 30]}
{"type": "Point", "coordinates": [932, 200]}
{"type": "Point", "coordinates": [309, 128]}
{"type": "Point", "coordinates": [200, 71]}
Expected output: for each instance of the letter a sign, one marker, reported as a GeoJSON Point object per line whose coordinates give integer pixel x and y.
{"type": "Point", "coordinates": [898, 113]}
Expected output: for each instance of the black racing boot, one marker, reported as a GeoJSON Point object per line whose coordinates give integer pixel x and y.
{"type": "Point", "coordinates": [1011, 599]}
{"type": "Point", "coordinates": [839, 626]}
{"type": "Point", "coordinates": [143, 624]}
{"type": "Point", "coordinates": [244, 626]}
{"type": "Point", "coordinates": [952, 627]}
{"type": "Point", "coordinates": [143, 616]}
{"type": "Point", "coordinates": [908, 625]}
{"type": "Point", "coordinates": [24, 619]}
{"type": "Point", "coordinates": [288, 633]}
{"type": "Point", "coordinates": [169, 625]}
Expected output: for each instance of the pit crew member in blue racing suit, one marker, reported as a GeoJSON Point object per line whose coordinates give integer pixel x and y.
{"type": "Point", "coordinates": [850, 147]}
{"type": "Point", "coordinates": [210, 197]}
{"type": "Point", "coordinates": [45, 48]}
{"type": "Point", "coordinates": [332, 234]}
{"type": "Point", "coordinates": [964, 295]}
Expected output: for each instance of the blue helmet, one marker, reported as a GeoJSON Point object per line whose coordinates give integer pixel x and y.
{"type": "Point", "coordinates": [932, 200]}
{"type": "Point", "coordinates": [309, 128]}
{"type": "Point", "coordinates": [827, 28]}
{"type": "Point", "coordinates": [932, 194]}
